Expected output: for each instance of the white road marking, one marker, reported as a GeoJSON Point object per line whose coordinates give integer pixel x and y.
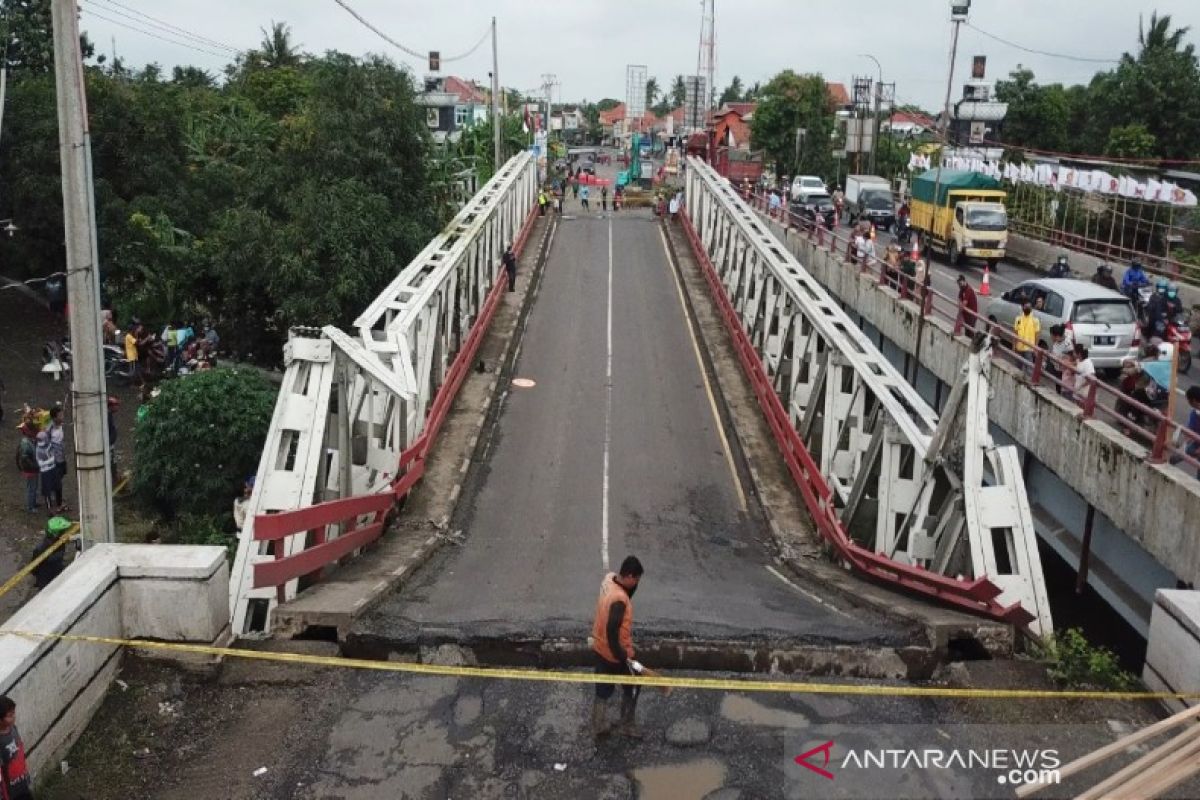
{"type": "Point", "coordinates": [607, 408]}
{"type": "Point", "coordinates": [712, 402]}
{"type": "Point", "coordinates": [805, 592]}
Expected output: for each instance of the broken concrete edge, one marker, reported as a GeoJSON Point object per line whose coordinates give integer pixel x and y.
{"type": "Point", "coordinates": [288, 624]}
{"type": "Point", "coordinates": [755, 656]}
{"type": "Point", "coordinates": [997, 639]}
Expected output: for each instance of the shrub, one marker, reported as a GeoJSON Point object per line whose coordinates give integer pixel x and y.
{"type": "Point", "coordinates": [200, 439]}
{"type": "Point", "coordinates": [1077, 664]}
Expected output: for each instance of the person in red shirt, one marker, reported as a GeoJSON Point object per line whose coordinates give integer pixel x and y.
{"type": "Point", "coordinates": [969, 305]}
{"type": "Point", "coordinates": [15, 782]}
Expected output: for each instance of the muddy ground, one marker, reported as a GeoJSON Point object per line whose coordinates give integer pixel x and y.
{"type": "Point", "coordinates": [316, 732]}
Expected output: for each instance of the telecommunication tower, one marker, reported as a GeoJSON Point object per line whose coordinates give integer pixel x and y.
{"type": "Point", "coordinates": [706, 60]}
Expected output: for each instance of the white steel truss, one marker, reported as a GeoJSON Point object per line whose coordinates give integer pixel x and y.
{"type": "Point", "coordinates": [349, 406]}
{"type": "Point", "coordinates": [900, 486]}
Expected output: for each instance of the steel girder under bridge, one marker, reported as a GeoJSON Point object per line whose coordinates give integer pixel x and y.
{"type": "Point", "coordinates": [932, 505]}
{"type": "Point", "coordinates": [356, 414]}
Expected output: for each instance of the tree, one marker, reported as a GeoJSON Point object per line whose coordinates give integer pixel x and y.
{"type": "Point", "coordinates": [200, 439]}
{"type": "Point", "coordinates": [678, 91]}
{"type": "Point", "coordinates": [733, 92]}
{"type": "Point", "coordinates": [1038, 116]}
{"type": "Point", "coordinates": [607, 104]}
{"type": "Point", "coordinates": [753, 92]}
{"type": "Point", "coordinates": [276, 49]}
{"type": "Point", "coordinates": [29, 38]}
{"type": "Point", "coordinates": [790, 102]}
{"type": "Point", "coordinates": [652, 91]}
{"type": "Point", "coordinates": [1130, 141]}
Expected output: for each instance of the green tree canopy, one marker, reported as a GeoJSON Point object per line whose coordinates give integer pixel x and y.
{"type": "Point", "coordinates": [790, 102]}
{"type": "Point", "coordinates": [200, 439]}
{"type": "Point", "coordinates": [678, 91]}
{"type": "Point", "coordinates": [733, 92]}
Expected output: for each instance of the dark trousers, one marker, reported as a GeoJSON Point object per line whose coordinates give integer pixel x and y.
{"type": "Point", "coordinates": [52, 487]}
{"type": "Point", "coordinates": [605, 690]}
{"type": "Point", "coordinates": [604, 204]}
{"type": "Point", "coordinates": [512, 277]}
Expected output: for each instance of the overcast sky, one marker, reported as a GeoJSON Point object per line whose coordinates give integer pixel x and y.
{"type": "Point", "coordinates": [588, 43]}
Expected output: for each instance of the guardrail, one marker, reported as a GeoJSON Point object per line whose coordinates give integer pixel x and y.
{"type": "Point", "coordinates": [897, 490]}
{"type": "Point", "coordinates": [1167, 267]}
{"type": "Point", "coordinates": [357, 416]}
{"type": "Point", "coordinates": [1165, 439]}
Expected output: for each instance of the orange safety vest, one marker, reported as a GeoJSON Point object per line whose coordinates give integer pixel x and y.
{"type": "Point", "coordinates": [612, 592]}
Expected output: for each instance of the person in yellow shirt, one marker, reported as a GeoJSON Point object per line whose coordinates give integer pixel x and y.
{"type": "Point", "coordinates": [131, 348]}
{"type": "Point", "coordinates": [1027, 327]}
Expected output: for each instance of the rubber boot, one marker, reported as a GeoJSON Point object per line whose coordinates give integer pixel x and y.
{"type": "Point", "coordinates": [628, 727]}
{"type": "Point", "coordinates": [600, 725]}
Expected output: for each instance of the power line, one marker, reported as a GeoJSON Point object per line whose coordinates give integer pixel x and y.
{"type": "Point", "coordinates": [381, 34]}
{"type": "Point", "coordinates": [472, 50]}
{"type": "Point", "coordinates": [1043, 52]}
{"type": "Point", "coordinates": [407, 50]}
{"type": "Point", "coordinates": [154, 35]}
{"type": "Point", "coordinates": [174, 30]}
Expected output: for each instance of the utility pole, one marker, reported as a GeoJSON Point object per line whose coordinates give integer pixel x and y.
{"type": "Point", "coordinates": [958, 15]}
{"type": "Point", "coordinates": [496, 120]}
{"type": "Point", "coordinates": [89, 401]}
{"type": "Point", "coordinates": [878, 102]}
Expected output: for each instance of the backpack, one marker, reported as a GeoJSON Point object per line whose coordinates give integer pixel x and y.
{"type": "Point", "coordinates": [26, 456]}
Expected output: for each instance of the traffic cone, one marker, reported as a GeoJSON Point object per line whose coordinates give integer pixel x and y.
{"type": "Point", "coordinates": [984, 288]}
{"type": "Point", "coordinates": [916, 248]}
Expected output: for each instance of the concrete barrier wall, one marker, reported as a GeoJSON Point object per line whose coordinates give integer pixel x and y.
{"type": "Point", "coordinates": [163, 592]}
{"type": "Point", "coordinates": [1041, 255]}
{"type": "Point", "coordinates": [1150, 503]}
{"type": "Point", "coordinates": [1173, 649]}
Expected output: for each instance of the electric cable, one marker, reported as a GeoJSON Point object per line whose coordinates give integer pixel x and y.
{"type": "Point", "coordinates": [1043, 52]}
{"type": "Point", "coordinates": [173, 30]}
{"type": "Point", "coordinates": [153, 35]}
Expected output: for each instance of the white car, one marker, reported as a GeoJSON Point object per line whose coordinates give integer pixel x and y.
{"type": "Point", "coordinates": [808, 184]}
{"type": "Point", "coordinates": [1100, 319]}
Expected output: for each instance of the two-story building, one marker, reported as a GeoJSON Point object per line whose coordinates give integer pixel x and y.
{"type": "Point", "coordinates": [452, 105]}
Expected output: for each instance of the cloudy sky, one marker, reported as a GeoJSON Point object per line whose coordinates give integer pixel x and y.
{"type": "Point", "coordinates": [588, 43]}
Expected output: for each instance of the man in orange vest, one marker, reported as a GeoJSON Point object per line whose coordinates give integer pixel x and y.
{"type": "Point", "coordinates": [612, 641]}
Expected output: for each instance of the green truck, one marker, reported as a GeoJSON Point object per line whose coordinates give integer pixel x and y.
{"type": "Point", "coordinates": [960, 213]}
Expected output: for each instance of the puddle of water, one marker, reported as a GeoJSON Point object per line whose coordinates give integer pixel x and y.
{"type": "Point", "coordinates": [744, 711]}
{"type": "Point", "coordinates": [690, 781]}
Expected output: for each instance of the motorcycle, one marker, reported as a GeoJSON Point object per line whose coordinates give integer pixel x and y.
{"type": "Point", "coordinates": [903, 230]}
{"type": "Point", "coordinates": [56, 357]}
{"type": "Point", "coordinates": [1179, 336]}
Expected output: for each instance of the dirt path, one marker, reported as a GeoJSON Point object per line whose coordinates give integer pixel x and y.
{"type": "Point", "coordinates": [25, 325]}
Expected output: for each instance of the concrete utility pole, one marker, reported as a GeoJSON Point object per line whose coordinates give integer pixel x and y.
{"type": "Point", "coordinates": [958, 15]}
{"type": "Point", "coordinates": [89, 401]}
{"type": "Point", "coordinates": [496, 120]}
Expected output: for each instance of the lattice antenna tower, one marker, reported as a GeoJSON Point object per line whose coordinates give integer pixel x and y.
{"type": "Point", "coordinates": [635, 92]}
{"type": "Point", "coordinates": [706, 59]}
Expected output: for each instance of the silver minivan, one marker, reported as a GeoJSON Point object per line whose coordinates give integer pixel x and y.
{"type": "Point", "coordinates": [1100, 319]}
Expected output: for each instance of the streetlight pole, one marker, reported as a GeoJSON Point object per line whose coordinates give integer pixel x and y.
{"type": "Point", "coordinates": [496, 121]}
{"type": "Point", "coordinates": [958, 15]}
{"type": "Point", "coordinates": [878, 100]}
{"type": "Point", "coordinates": [88, 395]}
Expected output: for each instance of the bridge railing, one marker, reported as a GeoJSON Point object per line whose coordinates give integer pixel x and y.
{"type": "Point", "coordinates": [358, 414]}
{"type": "Point", "coordinates": [1164, 439]}
{"type": "Point", "coordinates": [896, 490]}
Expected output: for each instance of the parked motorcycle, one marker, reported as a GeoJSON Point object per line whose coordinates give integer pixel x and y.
{"type": "Point", "coordinates": [1179, 336]}
{"type": "Point", "coordinates": [56, 355]}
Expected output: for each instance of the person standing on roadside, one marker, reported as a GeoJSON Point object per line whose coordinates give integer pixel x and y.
{"type": "Point", "coordinates": [1026, 327]}
{"type": "Point", "coordinates": [51, 483]}
{"type": "Point", "coordinates": [53, 565]}
{"type": "Point", "coordinates": [510, 268]}
{"type": "Point", "coordinates": [612, 643]}
{"type": "Point", "coordinates": [583, 197]}
{"type": "Point", "coordinates": [15, 780]}
{"type": "Point", "coordinates": [968, 305]}
{"type": "Point", "coordinates": [58, 446]}
{"type": "Point", "coordinates": [604, 198]}
{"type": "Point", "coordinates": [27, 464]}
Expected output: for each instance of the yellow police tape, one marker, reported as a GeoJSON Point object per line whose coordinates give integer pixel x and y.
{"type": "Point", "coordinates": [558, 676]}
{"type": "Point", "coordinates": [63, 538]}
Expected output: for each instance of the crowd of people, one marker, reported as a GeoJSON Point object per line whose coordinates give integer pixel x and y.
{"type": "Point", "coordinates": [179, 348]}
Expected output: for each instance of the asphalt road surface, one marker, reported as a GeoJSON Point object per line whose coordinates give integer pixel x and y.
{"type": "Point", "coordinates": [617, 449]}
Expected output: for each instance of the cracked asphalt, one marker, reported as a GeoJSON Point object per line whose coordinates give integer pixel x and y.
{"type": "Point", "coordinates": [534, 543]}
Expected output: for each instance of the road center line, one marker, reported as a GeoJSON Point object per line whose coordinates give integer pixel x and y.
{"type": "Point", "coordinates": [712, 402]}
{"type": "Point", "coordinates": [608, 387]}
{"type": "Point", "coordinates": [806, 593]}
